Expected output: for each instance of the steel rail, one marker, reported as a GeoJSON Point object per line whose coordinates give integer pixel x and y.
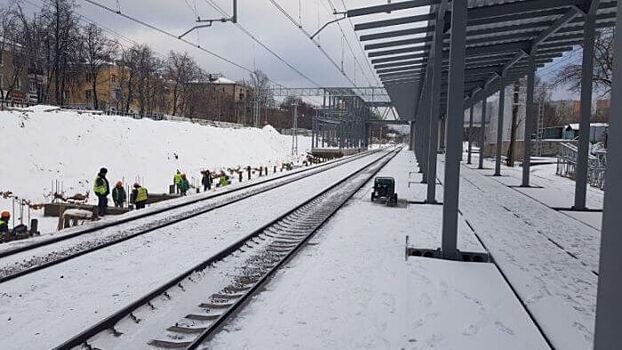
{"type": "Point", "coordinates": [109, 322]}
{"type": "Point", "coordinates": [94, 248]}
{"type": "Point", "coordinates": [214, 327]}
{"type": "Point", "coordinates": [148, 213]}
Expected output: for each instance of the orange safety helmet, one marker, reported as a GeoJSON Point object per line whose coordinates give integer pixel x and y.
{"type": "Point", "coordinates": [5, 214]}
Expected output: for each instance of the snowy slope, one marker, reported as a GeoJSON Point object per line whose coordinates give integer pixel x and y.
{"type": "Point", "coordinates": [42, 146]}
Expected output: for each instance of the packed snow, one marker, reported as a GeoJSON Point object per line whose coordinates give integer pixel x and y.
{"type": "Point", "coordinates": [351, 288]}
{"type": "Point", "coordinates": [31, 306]}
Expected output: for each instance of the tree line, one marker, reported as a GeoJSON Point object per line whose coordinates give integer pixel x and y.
{"type": "Point", "coordinates": [53, 44]}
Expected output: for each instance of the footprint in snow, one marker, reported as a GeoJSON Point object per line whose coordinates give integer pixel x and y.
{"type": "Point", "coordinates": [503, 328]}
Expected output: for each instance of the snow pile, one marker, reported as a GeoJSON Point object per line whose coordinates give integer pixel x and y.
{"type": "Point", "coordinates": [42, 145]}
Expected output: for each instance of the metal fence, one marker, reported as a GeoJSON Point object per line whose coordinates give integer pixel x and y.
{"type": "Point", "coordinates": [567, 164]}
{"type": "Point", "coordinates": [9, 104]}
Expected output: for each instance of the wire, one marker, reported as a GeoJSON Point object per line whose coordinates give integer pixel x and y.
{"type": "Point", "coordinates": [249, 34]}
{"type": "Point", "coordinates": [549, 69]}
{"type": "Point", "coordinates": [215, 6]}
{"type": "Point", "coordinates": [317, 44]}
{"type": "Point", "coordinates": [373, 74]}
{"type": "Point", "coordinates": [169, 34]}
{"type": "Point", "coordinates": [193, 9]}
{"type": "Point", "coordinates": [86, 19]}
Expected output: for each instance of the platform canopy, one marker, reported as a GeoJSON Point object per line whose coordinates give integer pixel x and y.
{"type": "Point", "coordinates": [500, 37]}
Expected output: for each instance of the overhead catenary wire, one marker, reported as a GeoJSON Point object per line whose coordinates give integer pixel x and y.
{"type": "Point", "coordinates": [306, 33]}
{"type": "Point", "coordinates": [549, 69]}
{"type": "Point", "coordinates": [193, 9]}
{"type": "Point", "coordinates": [356, 61]}
{"type": "Point", "coordinates": [171, 35]}
{"type": "Point", "coordinates": [88, 20]}
{"type": "Point", "coordinates": [262, 44]}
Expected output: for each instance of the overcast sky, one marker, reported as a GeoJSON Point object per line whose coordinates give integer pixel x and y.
{"type": "Point", "coordinates": [263, 20]}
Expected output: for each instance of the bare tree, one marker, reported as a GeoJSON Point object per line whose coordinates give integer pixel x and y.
{"type": "Point", "coordinates": [180, 69]}
{"type": "Point", "coordinates": [147, 76]}
{"type": "Point", "coordinates": [11, 46]}
{"type": "Point", "coordinates": [262, 96]}
{"type": "Point", "coordinates": [98, 51]}
{"type": "Point", "coordinates": [140, 73]}
{"type": "Point", "coordinates": [570, 75]}
{"type": "Point", "coordinates": [61, 43]}
{"type": "Point", "coordinates": [128, 70]}
{"type": "Point", "coordinates": [34, 32]}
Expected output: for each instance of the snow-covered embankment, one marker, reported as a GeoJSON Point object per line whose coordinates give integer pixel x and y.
{"type": "Point", "coordinates": [42, 145]}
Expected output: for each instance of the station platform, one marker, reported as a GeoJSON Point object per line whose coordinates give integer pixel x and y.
{"type": "Point", "coordinates": [353, 287]}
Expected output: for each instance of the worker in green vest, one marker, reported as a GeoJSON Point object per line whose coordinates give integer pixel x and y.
{"type": "Point", "coordinates": [102, 190]}
{"type": "Point", "coordinates": [139, 196]}
{"type": "Point", "coordinates": [184, 185]}
{"type": "Point", "coordinates": [224, 181]}
{"type": "Point", "coordinates": [118, 195]}
{"type": "Point", "coordinates": [177, 180]}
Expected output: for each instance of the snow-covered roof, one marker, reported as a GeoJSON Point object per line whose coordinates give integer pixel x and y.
{"type": "Point", "coordinates": [222, 80]}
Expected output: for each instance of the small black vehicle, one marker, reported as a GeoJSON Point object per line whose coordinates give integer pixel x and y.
{"type": "Point", "coordinates": [384, 188]}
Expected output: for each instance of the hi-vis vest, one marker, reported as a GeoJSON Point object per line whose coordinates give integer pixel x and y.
{"type": "Point", "coordinates": [141, 196]}
{"type": "Point", "coordinates": [100, 189]}
{"type": "Point", "coordinates": [177, 179]}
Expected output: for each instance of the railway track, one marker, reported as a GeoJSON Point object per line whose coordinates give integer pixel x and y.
{"type": "Point", "coordinates": [189, 309]}
{"type": "Point", "coordinates": [35, 262]}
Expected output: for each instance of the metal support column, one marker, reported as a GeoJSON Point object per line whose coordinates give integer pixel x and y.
{"type": "Point", "coordinates": [482, 134]}
{"type": "Point", "coordinates": [313, 120]}
{"type": "Point", "coordinates": [607, 334]}
{"type": "Point", "coordinates": [412, 135]}
{"type": "Point", "coordinates": [418, 142]}
{"type": "Point", "coordinates": [455, 123]}
{"type": "Point", "coordinates": [435, 108]}
{"type": "Point", "coordinates": [586, 108]}
{"type": "Point", "coordinates": [530, 117]}
{"type": "Point", "coordinates": [500, 125]}
{"type": "Point", "coordinates": [443, 133]}
{"type": "Point", "coordinates": [469, 135]}
{"type": "Point", "coordinates": [425, 124]}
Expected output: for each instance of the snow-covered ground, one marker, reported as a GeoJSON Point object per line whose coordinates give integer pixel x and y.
{"type": "Point", "coordinates": [550, 258]}
{"type": "Point", "coordinates": [555, 191]}
{"type": "Point", "coordinates": [47, 307]}
{"type": "Point", "coordinates": [351, 288]}
{"type": "Point", "coordinates": [42, 145]}
{"type": "Point", "coordinates": [376, 300]}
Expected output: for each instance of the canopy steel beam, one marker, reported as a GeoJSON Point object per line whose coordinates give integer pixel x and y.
{"type": "Point", "coordinates": [410, 49]}
{"type": "Point", "coordinates": [400, 63]}
{"type": "Point", "coordinates": [399, 58]}
{"type": "Point", "coordinates": [390, 7]}
{"type": "Point", "coordinates": [392, 34]}
{"type": "Point", "coordinates": [394, 21]}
